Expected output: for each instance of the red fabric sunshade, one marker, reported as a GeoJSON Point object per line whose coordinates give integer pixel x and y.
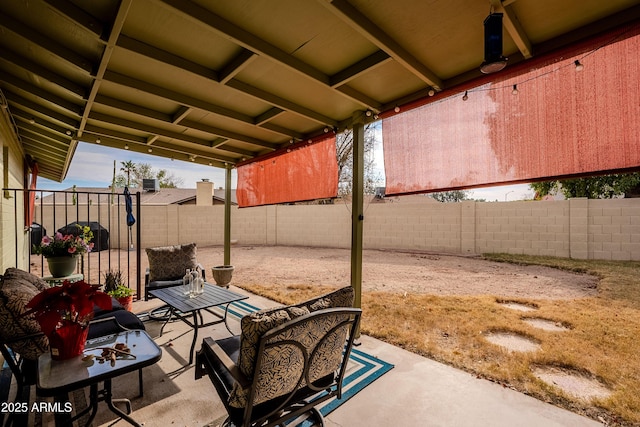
{"type": "Point", "coordinates": [562, 122]}
{"type": "Point", "coordinates": [306, 173]}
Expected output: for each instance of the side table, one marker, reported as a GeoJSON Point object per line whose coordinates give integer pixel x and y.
{"type": "Point", "coordinates": [57, 281]}
{"type": "Point", "coordinates": [63, 376]}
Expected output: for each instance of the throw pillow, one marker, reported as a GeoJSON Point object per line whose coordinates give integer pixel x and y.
{"type": "Point", "coordinates": [342, 297]}
{"type": "Point", "coordinates": [170, 262]}
{"type": "Point", "coordinates": [17, 288]}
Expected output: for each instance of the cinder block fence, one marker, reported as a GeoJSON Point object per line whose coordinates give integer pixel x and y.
{"type": "Point", "coordinates": [576, 228]}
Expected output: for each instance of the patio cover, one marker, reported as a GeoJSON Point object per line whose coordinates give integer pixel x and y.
{"type": "Point", "coordinates": [221, 82]}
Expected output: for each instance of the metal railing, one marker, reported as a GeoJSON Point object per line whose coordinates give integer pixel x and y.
{"type": "Point", "coordinates": [104, 212]}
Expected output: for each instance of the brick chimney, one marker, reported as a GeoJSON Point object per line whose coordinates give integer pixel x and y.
{"type": "Point", "coordinates": [204, 193]}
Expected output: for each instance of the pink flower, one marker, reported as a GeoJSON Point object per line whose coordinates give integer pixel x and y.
{"type": "Point", "coordinates": [72, 249]}
{"type": "Point", "coordinates": [46, 240]}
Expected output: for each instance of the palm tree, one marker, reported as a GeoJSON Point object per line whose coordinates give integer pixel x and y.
{"type": "Point", "coordinates": [128, 167]}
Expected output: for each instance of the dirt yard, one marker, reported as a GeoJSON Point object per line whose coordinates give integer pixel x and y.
{"type": "Point", "coordinates": [392, 271]}
{"type": "Point", "coordinates": [388, 271]}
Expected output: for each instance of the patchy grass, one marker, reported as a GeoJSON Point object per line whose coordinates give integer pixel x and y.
{"type": "Point", "coordinates": [603, 338]}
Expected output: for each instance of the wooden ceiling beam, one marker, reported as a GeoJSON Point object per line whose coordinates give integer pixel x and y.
{"type": "Point", "coordinates": [281, 102]}
{"type": "Point", "coordinates": [46, 43]}
{"type": "Point", "coordinates": [29, 66]}
{"type": "Point", "coordinates": [79, 16]}
{"type": "Point", "coordinates": [156, 131]}
{"type": "Point", "coordinates": [370, 62]}
{"type": "Point", "coordinates": [363, 25]}
{"type": "Point", "coordinates": [123, 136]}
{"type": "Point", "coordinates": [514, 28]}
{"type": "Point", "coordinates": [253, 43]}
{"type": "Point", "coordinates": [24, 103]}
{"type": "Point", "coordinates": [236, 65]}
{"type": "Point", "coordinates": [40, 93]}
{"type": "Point", "coordinates": [23, 116]}
{"type": "Point", "coordinates": [141, 48]}
{"type": "Point", "coordinates": [226, 76]}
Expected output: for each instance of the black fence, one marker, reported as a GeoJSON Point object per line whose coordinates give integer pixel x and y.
{"type": "Point", "coordinates": [116, 245]}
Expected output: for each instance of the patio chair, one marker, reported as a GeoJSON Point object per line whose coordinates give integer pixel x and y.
{"type": "Point", "coordinates": [285, 362]}
{"type": "Point", "coordinates": [167, 265]}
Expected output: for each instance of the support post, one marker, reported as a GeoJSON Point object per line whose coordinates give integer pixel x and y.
{"type": "Point", "coordinates": [357, 212]}
{"type": "Point", "coordinates": [227, 215]}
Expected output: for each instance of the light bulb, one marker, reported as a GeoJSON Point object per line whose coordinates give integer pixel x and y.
{"type": "Point", "coordinates": [515, 90]}
{"type": "Point", "coordinates": [579, 66]}
{"type": "Point", "coordinates": [98, 140]}
{"type": "Point", "coordinates": [126, 146]}
{"type": "Point", "coordinates": [465, 96]}
{"type": "Point", "coordinates": [397, 109]}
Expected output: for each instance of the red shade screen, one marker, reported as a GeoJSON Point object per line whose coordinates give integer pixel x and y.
{"type": "Point", "coordinates": [561, 122]}
{"type": "Point", "coordinates": [306, 173]}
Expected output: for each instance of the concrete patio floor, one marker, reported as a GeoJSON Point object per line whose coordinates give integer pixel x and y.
{"type": "Point", "coordinates": [416, 392]}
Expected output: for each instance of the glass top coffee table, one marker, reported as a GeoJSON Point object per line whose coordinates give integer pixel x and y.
{"type": "Point", "coordinates": [182, 305]}
{"type": "Point", "coordinates": [63, 376]}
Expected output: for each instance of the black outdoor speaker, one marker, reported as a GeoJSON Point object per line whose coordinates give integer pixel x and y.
{"type": "Point", "coordinates": [493, 59]}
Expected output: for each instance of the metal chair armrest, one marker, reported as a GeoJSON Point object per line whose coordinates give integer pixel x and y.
{"type": "Point", "coordinates": [226, 361]}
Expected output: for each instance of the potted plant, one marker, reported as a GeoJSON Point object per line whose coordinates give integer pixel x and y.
{"type": "Point", "coordinates": [64, 313]}
{"type": "Point", "coordinates": [114, 286]}
{"type": "Point", "coordinates": [61, 250]}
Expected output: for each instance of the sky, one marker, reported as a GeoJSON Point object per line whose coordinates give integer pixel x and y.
{"type": "Point", "coordinates": [92, 166]}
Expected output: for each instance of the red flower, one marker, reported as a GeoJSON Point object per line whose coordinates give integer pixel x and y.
{"type": "Point", "coordinates": [70, 302]}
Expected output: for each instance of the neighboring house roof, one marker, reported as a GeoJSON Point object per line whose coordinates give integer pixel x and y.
{"type": "Point", "coordinates": [165, 196]}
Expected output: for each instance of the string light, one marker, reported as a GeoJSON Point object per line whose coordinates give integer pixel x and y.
{"type": "Point", "coordinates": [150, 150]}
{"type": "Point", "coordinates": [396, 109]}
{"type": "Point", "coordinates": [98, 140]}
{"type": "Point", "coordinates": [431, 91]}
{"type": "Point", "coordinates": [126, 146]}
{"type": "Point", "coordinates": [577, 64]}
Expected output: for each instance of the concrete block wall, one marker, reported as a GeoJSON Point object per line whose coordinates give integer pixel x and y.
{"type": "Point", "coordinates": [613, 229]}
{"type": "Point", "coordinates": [313, 225]}
{"type": "Point", "coordinates": [576, 228]}
{"type": "Point", "coordinates": [415, 226]}
{"type": "Point", "coordinates": [532, 228]}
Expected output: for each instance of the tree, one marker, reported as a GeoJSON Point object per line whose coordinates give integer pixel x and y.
{"type": "Point", "coordinates": [128, 168]}
{"type": "Point", "coordinates": [136, 172]}
{"type": "Point", "coordinates": [451, 196]}
{"type": "Point", "coordinates": [595, 187]}
{"type": "Point", "coordinates": [344, 150]}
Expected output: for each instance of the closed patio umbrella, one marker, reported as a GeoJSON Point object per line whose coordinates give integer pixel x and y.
{"type": "Point", "coordinates": [130, 218]}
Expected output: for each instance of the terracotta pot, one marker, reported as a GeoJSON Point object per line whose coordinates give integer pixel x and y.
{"type": "Point", "coordinates": [126, 302]}
{"type": "Point", "coordinates": [61, 266]}
{"type": "Point", "coordinates": [67, 341]}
